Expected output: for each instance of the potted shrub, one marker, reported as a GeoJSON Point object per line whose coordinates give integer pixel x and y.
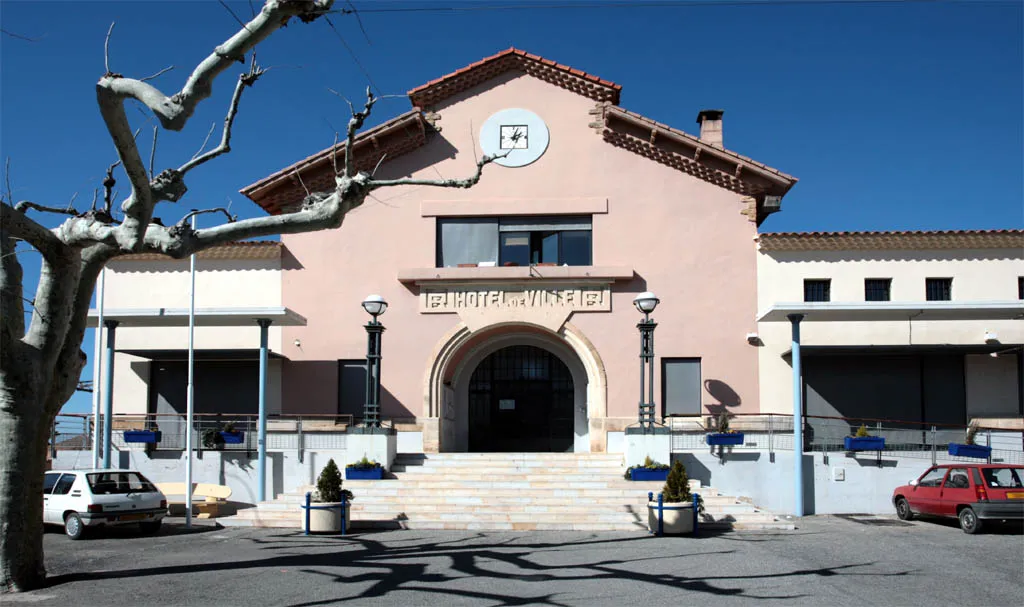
{"type": "Point", "coordinates": [329, 493]}
{"type": "Point", "coordinates": [677, 504]}
{"type": "Point", "coordinates": [862, 441]}
{"type": "Point", "coordinates": [227, 435]}
{"type": "Point", "coordinates": [724, 435]}
{"type": "Point", "coordinates": [649, 471]}
{"type": "Point", "coordinates": [968, 448]}
{"type": "Point", "coordinates": [364, 470]}
{"type": "Point", "coordinates": [230, 436]}
{"type": "Point", "coordinates": [153, 435]}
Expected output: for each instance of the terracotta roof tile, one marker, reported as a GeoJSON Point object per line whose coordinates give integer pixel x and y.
{"type": "Point", "coordinates": [906, 239]}
{"type": "Point", "coordinates": [252, 249]}
{"type": "Point", "coordinates": [569, 78]}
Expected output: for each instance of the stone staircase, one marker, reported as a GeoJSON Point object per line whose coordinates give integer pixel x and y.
{"type": "Point", "coordinates": [506, 491]}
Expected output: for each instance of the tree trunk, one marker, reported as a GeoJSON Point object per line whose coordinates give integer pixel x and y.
{"type": "Point", "coordinates": [23, 435]}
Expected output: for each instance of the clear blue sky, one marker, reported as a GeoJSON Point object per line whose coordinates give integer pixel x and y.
{"type": "Point", "coordinates": [894, 116]}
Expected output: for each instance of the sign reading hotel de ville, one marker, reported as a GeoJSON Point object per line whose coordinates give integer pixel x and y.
{"type": "Point", "coordinates": [468, 299]}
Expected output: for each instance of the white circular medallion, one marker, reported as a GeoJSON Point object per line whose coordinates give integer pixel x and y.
{"type": "Point", "coordinates": [520, 134]}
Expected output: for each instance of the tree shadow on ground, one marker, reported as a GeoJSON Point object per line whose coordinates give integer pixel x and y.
{"type": "Point", "coordinates": [382, 560]}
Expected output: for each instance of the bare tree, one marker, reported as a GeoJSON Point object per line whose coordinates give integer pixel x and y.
{"type": "Point", "coordinates": [40, 363]}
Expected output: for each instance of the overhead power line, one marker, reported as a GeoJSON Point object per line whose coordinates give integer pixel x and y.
{"type": "Point", "coordinates": [635, 4]}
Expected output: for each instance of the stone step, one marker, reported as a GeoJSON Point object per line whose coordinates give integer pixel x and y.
{"type": "Point", "coordinates": [494, 482]}
{"type": "Point", "coordinates": [402, 491]}
{"type": "Point", "coordinates": [296, 517]}
{"type": "Point", "coordinates": [413, 457]}
{"type": "Point", "coordinates": [447, 498]}
{"type": "Point", "coordinates": [615, 470]}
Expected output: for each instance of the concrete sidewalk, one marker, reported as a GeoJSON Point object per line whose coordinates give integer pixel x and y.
{"type": "Point", "coordinates": [826, 561]}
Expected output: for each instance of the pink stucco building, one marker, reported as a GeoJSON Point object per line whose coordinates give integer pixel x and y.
{"type": "Point", "coordinates": [510, 303]}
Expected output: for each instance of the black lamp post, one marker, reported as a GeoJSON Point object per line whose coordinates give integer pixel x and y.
{"type": "Point", "coordinates": [646, 302]}
{"type": "Point", "coordinates": [375, 306]}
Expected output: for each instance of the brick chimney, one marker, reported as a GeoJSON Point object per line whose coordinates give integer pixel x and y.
{"type": "Point", "coordinates": [710, 122]}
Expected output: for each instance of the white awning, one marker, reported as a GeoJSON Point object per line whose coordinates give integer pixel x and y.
{"type": "Point", "coordinates": [891, 310]}
{"type": "Point", "coordinates": [205, 317]}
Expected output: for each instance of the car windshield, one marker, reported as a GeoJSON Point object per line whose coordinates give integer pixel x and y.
{"type": "Point", "coordinates": [111, 483]}
{"type": "Point", "coordinates": [1002, 478]}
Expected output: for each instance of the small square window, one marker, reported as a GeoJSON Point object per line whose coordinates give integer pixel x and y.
{"type": "Point", "coordinates": [877, 289]}
{"type": "Point", "coordinates": [817, 289]}
{"type": "Point", "coordinates": [938, 289]}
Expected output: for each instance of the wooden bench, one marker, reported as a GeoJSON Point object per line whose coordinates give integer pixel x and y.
{"type": "Point", "coordinates": [207, 497]}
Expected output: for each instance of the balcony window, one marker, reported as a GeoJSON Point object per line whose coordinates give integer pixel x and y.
{"type": "Point", "coordinates": [938, 289]}
{"type": "Point", "coordinates": [817, 289]}
{"type": "Point", "coordinates": [514, 241]}
{"type": "Point", "coordinates": [877, 289]}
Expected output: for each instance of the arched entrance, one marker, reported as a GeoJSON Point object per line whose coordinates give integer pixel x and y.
{"type": "Point", "coordinates": [521, 399]}
{"type": "Point", "coordinates": [459, 353]}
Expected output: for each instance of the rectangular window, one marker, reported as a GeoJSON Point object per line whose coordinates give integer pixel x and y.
{"type": "Point", "coordinates": [877, 289]}
{"type": "Point", "coordinates": [352, 387]}
{"type": "Point", "coordinates": [938, 289]}
{"type": "Point", "coordinates": [681, 386]}
{"type": "Point", "coordinates": [1020, 287]}
{"type": "Point", "coordinates": [514, 241]}
{"type": "Point", "coordinates": [63, 486]}
{"type": "Point", "coordinates": [817, 289]}
{"type": "Point", "coordinates": [49, 480]}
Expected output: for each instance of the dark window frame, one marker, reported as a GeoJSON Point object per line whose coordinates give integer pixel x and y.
{"type": "Point", "coordinates": [342, 409]}
{"type": "Point", "coordinates": [877, 289]}
{"type": "Point", "coordinates": [1020, 287]}
{"type": "Point", "coordinates": [938, 289]}
{"type": "Point", "coordinates": [665, 360]}
{"type": "Point", "coordinates": [822, 295]}
{"type": "Point", "coordinates": [535, 237]}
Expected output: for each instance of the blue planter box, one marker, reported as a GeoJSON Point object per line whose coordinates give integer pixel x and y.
{"type": "Point", "coordinates": [142, 436]}
{"type": "Point", "coordinates": [725, 438]}
{"type": "Point", "coordinates": [978, 451]}
{"type": "Point", "coordinates": [364, 474]}
{"type": "Point", "coordinates": [647, 474]}
{"type": "Point", "coordinates": [232, 438]}
{"type": "Point", "coordinates": [864, 443]}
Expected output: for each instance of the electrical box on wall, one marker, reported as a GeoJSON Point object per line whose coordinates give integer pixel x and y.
{"type": "Point", "coordinates": [839, 474]}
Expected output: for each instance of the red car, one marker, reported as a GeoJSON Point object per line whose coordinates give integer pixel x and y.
{"type": "Point", "coordinates": [971, 492]}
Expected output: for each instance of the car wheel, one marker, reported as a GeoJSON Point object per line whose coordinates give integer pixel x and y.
{"type": "Point", "coordinates": [903, 510]}
{"type": "Point", "coordinates": [74, 528]}
{"type": "Point", "coordinates": [151, 527]}
{"type": "Point", "coordinates": [969, 521]}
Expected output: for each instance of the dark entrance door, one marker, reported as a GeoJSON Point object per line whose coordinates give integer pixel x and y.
{"type": "Point", "coordinates": [521, 399]}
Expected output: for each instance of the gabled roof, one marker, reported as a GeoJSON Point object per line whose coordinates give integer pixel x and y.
{"type": "Point", "coordinates": [857, 241]}
{"type": "Point", "coordinates": [618, 126]}
{"type": "Point", "coordinates": [396, 137]}
{"type": "Point", "coordinates": [513, 59]}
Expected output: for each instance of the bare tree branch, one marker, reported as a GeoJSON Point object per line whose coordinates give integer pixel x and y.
{"type": "Point", "coordinates": [106, 48]}
{"type": "Point", "coordinates": [441, 183]}
{"type": "Point", "coordinates": [24, 205]}
{"type": "Point", "coordinates": [184, 220]}
{"type": "Point", "coordinates": [379, 162]}
{"type": "Point", "coordinates": [354, 124]}
{"type": "Point", "coordinates": [21, 37]}
{"type": "Point", "coordinates": [152, 151]}
{"type": "Point", "coordinates": [12, 310]}
{"type": "Point", "coordinates": [205, 141]}
{"type": "Point", "coordinates": [245, 80]}
{"type": "Point", "coordinates": [158, 74]}
{"type": "Point", "coordinates": [108, 185]}
{"type": "Point", "coordinates": [174, 111]}
{"type": "Point", "coordinates": [17, 224]}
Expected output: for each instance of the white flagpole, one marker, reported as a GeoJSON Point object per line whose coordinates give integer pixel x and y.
{"type": "Point", "coordinates": [97, 364]}
{"type": "Point", "coordinates": [190, 402]}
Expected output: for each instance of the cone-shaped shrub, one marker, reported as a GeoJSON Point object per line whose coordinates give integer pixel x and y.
{"type": "Point", "coordinates": [677, 485]}
{"type": "Point", "coordinates": [328, 485]}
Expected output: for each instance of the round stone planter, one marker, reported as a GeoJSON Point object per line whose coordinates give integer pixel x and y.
{"type": "Point", "coordinates": [327, 520]}
{"type": "Point", "coordinates": [677, 516]}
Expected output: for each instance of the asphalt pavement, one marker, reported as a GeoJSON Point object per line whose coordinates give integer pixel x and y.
{"type": "Point", "coordinates": [826, 561]}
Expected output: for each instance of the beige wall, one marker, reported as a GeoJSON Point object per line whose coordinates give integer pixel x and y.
{"type": "Point", "coordinates": [978, 276]}
{"type": "Point", "coordinates": [165, 284]}
{"type": "Point", "coordinates": [685, 239]}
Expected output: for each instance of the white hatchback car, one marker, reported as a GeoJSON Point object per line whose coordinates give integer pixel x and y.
{"type": "Point", "coordinates": [78, 499]}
